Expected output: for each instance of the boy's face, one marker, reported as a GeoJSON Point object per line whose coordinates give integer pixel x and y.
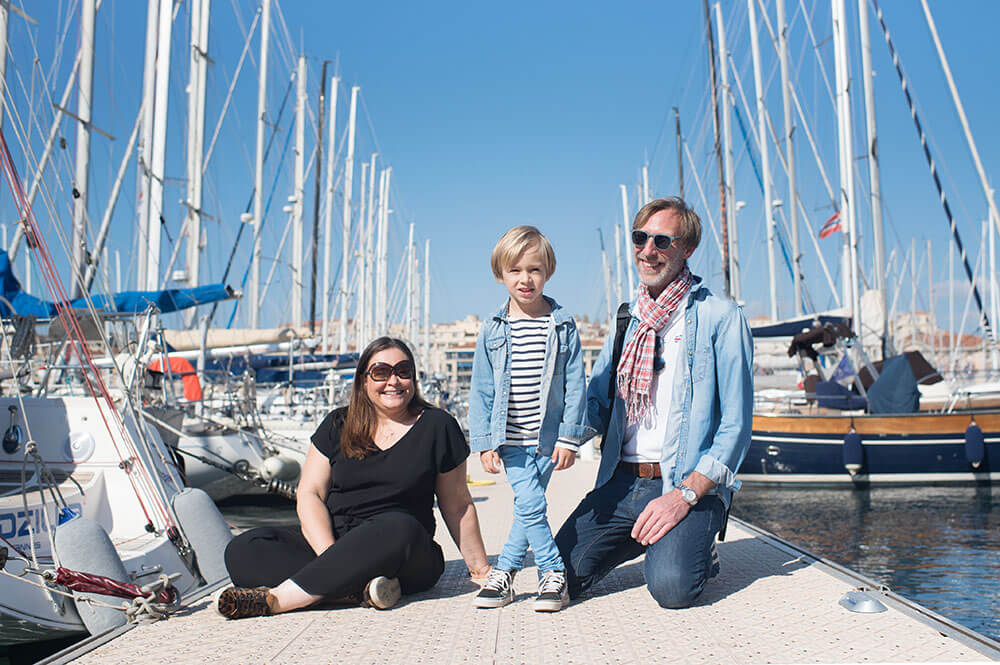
{"type": "Point", "coordinates": [524, 280]}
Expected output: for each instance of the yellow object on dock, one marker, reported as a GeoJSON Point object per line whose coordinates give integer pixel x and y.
{"type": "Point", "coordinates": [771, 603]}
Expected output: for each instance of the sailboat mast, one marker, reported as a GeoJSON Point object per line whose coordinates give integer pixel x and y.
{"type": "Point", "coordinates": [81, 179]}
{"type": "Point", "coordinates": [200, 11]}
{"type": "Point", "coordinates": [680, 157]}
{"type": "Point", "coordinates": [320, 117]}
{"type": "Point", "coordinates": [727, 142]}
{"type": "Point", "coordinates": [724, 220]}
{"type": "Point", "coordinates": [411, 258]}
{"type": "Point", "coordinates": [159, 148]}
{"type": "Point", "coordinates": [4, 17]}
{"type": "Point", "coordinates": [789, 124]}
{"type": "Point", "coordinates": [345, 266]}
{"type": "Point", "coordinates": [764, 158]}
{"type": "Point", "coordinates": [606, 274]}
{"type": "Point", "coordinates": [427, 305]}
{"type": "Point", "coordinates": [146, 142]}
{"type": "Point", "coordinates": [874, 177]}
{"type": "Point", "coordinates": [627, 227]}
{"type": "Point", "coordinates": [362, 304]}
{"type": "Point", "coordinates": [328, 211]}
{"type": "Point", "coordinates": [258, 181]}
{"type": "Point", "coordinates": [299, 190]}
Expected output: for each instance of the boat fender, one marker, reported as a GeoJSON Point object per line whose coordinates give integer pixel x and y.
{"type": "Point", "coordinates": [975, 445]}
{"type": "Point", "coordinates": [853, 452]}
{"type": "Point", "coordinates": [280, 468]}
{"type": "Point", "coordinates": [206, 531]}
{"type": "Point", "coordinates": [82, 544]}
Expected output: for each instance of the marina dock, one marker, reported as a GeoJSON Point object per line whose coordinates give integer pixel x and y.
{"type": "Point", "coordinates": [772, 603]}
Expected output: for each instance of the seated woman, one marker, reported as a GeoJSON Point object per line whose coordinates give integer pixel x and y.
{"type": "Point", "coordinates": [365, 503]}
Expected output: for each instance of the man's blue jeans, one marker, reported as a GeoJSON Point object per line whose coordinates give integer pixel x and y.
{"type": "Point", "coordinates": [528, 474]}
{"type": "Point", "coordinates": [597, 537]}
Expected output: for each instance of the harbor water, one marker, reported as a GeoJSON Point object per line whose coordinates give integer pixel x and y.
{"type": "Point", "coordinates": [938, 546]}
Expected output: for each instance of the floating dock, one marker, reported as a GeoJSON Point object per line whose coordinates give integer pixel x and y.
{"type": "Point", "coordinates": [772, 603]}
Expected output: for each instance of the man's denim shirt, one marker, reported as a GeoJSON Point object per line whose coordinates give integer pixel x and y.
{"type": "Point", "coordinates": [712, 404]}
{"type": "Point", "coordinates": [564, 396]}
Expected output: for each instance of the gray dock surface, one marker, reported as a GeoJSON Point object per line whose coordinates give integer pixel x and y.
{"type": "Point", "coordinates": [770, 604]}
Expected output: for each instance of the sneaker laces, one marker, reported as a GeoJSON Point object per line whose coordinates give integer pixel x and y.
{"type": "Point", "coordinates": [499, 580]}
{"type": "Point", "coordinates": [552, 581]}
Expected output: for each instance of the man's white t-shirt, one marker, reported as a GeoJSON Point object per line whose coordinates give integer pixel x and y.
{"type": "Point", "coordinates": [644, 440]}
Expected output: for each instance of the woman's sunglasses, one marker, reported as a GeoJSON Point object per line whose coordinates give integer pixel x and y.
{"type": "Point", "coordinates": [661, 241]}
{"type": "Point", "coordinates": [382, 371]}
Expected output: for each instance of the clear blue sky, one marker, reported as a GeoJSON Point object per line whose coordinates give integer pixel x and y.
{"type": "Point", "coordinates": [532, 113]}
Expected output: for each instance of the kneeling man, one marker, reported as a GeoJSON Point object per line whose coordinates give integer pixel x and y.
{"type": "Point", "coordinates": [677, 428]}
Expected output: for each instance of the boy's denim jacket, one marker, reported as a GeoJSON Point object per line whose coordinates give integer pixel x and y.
{"type": "Point", "coordinates": [712, 400]}
{"type": "Point", "coordinates": [564, 390]}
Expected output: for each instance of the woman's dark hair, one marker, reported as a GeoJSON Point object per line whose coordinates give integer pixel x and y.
{"type": "Point", "coordinates": [357, 435]}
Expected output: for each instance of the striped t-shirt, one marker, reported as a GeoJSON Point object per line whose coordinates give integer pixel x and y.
{"type": "Point", "coordinates": [528, 342]}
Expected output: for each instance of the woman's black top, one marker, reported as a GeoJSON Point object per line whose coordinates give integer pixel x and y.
{"type": "Point", "coordinates": [401, 478]}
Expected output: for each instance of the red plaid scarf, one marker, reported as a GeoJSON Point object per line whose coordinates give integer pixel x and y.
{"type": "Point", "coordinates": [635, 369]}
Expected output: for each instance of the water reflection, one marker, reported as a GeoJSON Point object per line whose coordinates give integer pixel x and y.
{"type": "Point", "coordinates": [939, 546]}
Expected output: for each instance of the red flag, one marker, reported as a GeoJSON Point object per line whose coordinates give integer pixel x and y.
{"type": "Point", "coordinates": [831, 226]}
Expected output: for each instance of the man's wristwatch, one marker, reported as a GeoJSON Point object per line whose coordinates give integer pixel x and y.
{"type": "Point", "coordinates": [689, 495]}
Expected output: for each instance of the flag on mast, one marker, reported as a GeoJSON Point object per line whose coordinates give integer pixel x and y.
{"type": "Point", "coordinates": [831, 226]}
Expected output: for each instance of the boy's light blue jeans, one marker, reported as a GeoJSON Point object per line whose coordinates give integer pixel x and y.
{"type": "Point", "coordinates": [528, 474]}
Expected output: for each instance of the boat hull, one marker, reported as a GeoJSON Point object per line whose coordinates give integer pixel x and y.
{"type": "Point", "coordinates": [913, 449]}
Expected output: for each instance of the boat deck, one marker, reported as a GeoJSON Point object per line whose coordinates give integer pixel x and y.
{"type": "Point", "coordinates": [772, 603]}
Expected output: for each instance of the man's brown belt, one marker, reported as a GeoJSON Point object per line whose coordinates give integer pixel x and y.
{"type": "Point", "coordinates": [642, 469]}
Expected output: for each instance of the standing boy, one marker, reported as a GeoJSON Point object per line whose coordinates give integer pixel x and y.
{"type": "Point", "coordinates": [527, 407]}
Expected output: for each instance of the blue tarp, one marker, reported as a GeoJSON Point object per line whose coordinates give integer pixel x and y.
{"type": "Point", "coordinates": [791, 328]}
{"type": "Point", "coordinates": [166, 300]}
{"type": "Point", "coordinates": [895, 390]}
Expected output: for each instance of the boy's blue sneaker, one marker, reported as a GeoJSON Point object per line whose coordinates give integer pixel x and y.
{"type": "Point", "coordinates": [553, 594]}
{"type": "Point", "coordinates": [498, 590]}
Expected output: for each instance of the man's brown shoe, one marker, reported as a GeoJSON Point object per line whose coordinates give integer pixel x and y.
{"type": "Point", "coordinates": [239, 603]}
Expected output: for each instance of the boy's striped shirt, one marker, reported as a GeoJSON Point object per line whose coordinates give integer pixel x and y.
{"type": "Point", "coordinates": [528, 346]}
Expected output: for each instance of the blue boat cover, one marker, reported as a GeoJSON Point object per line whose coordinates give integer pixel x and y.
{"type": "Point", "coordinates": [832, 395]}
{"type": "Point", "coordinates": [16, 301]}
{"type": "Point", "coordinates": [790, 328]}
{"type": "Point", "coordinates": [895, 390]}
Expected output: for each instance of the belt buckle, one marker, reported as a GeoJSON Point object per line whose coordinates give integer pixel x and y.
{"type": "Point", "coordinates": [645, 470]}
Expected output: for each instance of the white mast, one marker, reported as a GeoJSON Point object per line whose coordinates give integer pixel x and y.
{"type": "Point", "coordinates": [606, 273]}
{"type": "Point", "coordinates": [427, 306]}
{"type": "Point", "coordinates": [874, 178]}
{"type": "Point", "coordinates": [328, 211]}
{"type": "Point", "coordinates": [368, 318]}
{"type": "Point", "coordinates": [764, 159]}
{"type": "Point", "coordinates": [3, 58]}
{"type": "Point", "coordinates": [411, 258]}
{"type": "Point", "coordinates": [645, 184]}
{"type": "Point", "coordinates": [81, 178]}
{"type": "Point", "coordinates": [727, 151]}
{"type": "Point", "coordinates": [627, 227]}
{"type": "Point", "coordinates": [348, 192]}
{"type": "Point", "coordinates": [383, 257]}
{"type": "Point", "coordinates": [362, 305]}
{"type": "Point", "coordinates": [845, 138]}
{"type": "Point", "coordinates": [196, 138]}
{"type": "Point", "coordinates": [146, 143]}
{"type": "Point", "coordinates": [258, 181]}
{"type": "Point", "coordinates": [159, 151]}
{"type": "Point", "coordinates": [618, 264]}
{"type": "Point", "coordinates": [793, 217]}
{"type": "Point", "coordinates": [299, 195]}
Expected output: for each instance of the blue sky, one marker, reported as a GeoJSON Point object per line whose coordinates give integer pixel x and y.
{"type": "Point", "coordinates": [532, 113]}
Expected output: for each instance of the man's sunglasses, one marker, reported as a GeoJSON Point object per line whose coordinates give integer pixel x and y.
{"type": "Point", "coordinates": [658, 363]}
{"type": "Point", "coordinates": [661, 241]}
{"type": "Point", "coordinates": [382, 371]}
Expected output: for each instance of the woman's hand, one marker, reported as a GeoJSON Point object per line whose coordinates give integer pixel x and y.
{"type": "Point", "coordinates": [490, 459]}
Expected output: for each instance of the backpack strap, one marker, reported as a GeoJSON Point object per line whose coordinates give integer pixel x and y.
{"type": "Point", "coordinates": [621, 323]}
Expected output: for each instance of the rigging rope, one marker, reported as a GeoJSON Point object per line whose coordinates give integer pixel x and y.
{"type": "Point", "coordinates": [72, 328]}
{"type": "Point", "coordinates": [930, 162]}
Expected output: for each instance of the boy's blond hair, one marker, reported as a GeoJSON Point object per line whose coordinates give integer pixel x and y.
{"type": "Point", "coordinates": [516, 242]}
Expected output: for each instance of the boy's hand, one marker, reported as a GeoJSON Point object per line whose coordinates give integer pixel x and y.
{"type": "Point", "coordinates": [490, 460]}
{"type": "Point", "coordinates": [564, 458]}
